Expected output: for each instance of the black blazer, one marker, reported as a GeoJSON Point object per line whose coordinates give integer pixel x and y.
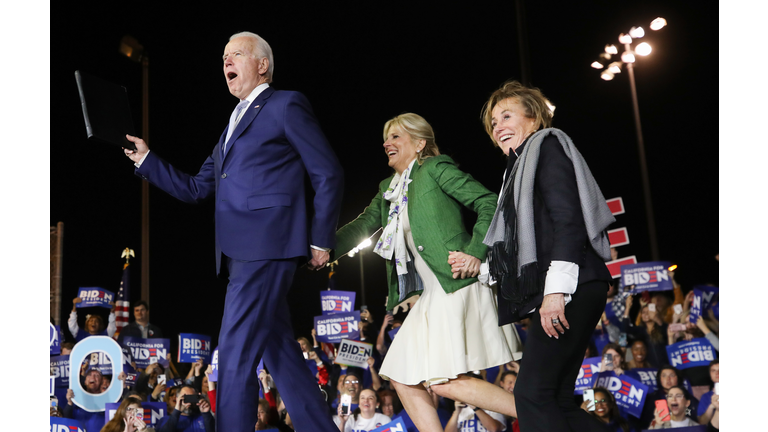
{"type": "Point", "coordinates": [561, 234]}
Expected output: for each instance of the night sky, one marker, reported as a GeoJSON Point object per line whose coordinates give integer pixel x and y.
{"type": "Point", "coordinates": [361, 65]}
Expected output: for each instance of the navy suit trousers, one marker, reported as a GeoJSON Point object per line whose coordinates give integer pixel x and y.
{"type": "Point", "coordinates": [257, 323]}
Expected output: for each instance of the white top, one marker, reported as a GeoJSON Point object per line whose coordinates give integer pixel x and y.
{"type": "Point", "coordinates": [363, 425]}
{"type": "Point", "coordinates": [74, 328]}
{"type": "Point", "coordinates": [468, 421]}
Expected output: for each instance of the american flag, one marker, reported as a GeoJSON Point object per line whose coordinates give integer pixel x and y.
{"type": "Point", "coordinates": [122, 304]}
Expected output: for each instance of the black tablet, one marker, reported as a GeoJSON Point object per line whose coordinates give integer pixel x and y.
{"type": "Point", "coordinates": [106, 110]}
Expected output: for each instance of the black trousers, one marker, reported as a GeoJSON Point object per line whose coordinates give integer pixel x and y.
{"type": "Point", "coordinates": [548, 371]}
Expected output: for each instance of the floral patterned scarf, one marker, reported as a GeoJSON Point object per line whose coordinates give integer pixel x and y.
{"type": "Point", "coordinates": [393, 237]}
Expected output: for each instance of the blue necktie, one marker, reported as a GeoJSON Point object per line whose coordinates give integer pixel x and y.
{"type": "Point", "coordinates": [233, 122]}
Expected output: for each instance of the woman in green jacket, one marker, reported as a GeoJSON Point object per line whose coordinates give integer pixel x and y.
{"type": "Point", "coordinates": [453, 326]}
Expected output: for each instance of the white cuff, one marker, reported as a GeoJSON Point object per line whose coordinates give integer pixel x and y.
{"type": "Point", "coordinates": [319, 248]}
{"type": "Point", "coordinates": [485, 274]}
{"type": "Point", "coordinates": [138, 164]}
{"type": "Point", "coordinates": [562, 277]}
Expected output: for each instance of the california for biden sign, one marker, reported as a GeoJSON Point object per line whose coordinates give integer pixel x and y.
{"type": "Point", "coordinates": [647, 276]}
{"type": "Point", "coordinates": [334, 328]}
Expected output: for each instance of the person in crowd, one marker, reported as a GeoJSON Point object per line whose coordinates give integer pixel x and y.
{"type": "Point", "coordinates": [471, 418]}
{"type": "Point", "coordinates": [351, 385]}
{"type": "Point", "coordinates": [548, 248]}
{"type": "Point", "coordinates": [140, 327]}
{"type": "Point", "coordinates": [186, 416]}
{"type": "Point", "coordinates": [704, 325]}
{"type": "Point", "coordinates": [714, 423]}
{"type": "Point", "coordinates": [706, 406]}
{"type": "Point", "coordinates": [170, 398]}
{"type": "Point", "coordinates": [439, 263]}
{"type": "Point", "coordinates": [639, 356]}
{"type": "Point", "coordinates": [146, 382]}
{"type": "Point", "coordinates": [91, 421]}
{"type": "Point", "coordinates": [382, 341]}
{"type": "Point", "coordinates": [94, 324]}
{"type": "Point", "coordinates": [129, 417]}
{"type": "Point", "coordinates": [678, 401]}
{"type": "Point", "coordinates": [607, 411]}
{"type": "Point", "coordinates": [512, 366]}
{"type": "Point", "coordinates": [263, 227]}
{"type": "Point", "coordinates": [508, 380]}
{"type": "Point", "coordinates": [268, 418]}
{"type": "Point", "coordinates": [211, 388]}
{"type": "Point", "coordinates": [66, 347]}
{"type": "Point", "coordinates": [651, 329]}
{"type": "Point", "coordinates": [387, 403]}
{"type": "Point", "coordinates": [93, 379]}
{"type": "Point", "coordinates": [364, 417]}
{"type": "Point", "coordinates": [666, 378]}
{"type": "Point", "coordinates": [618, 365]}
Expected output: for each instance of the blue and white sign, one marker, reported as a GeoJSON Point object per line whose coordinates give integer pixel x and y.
{"type": "Point", "coordinates": [703, 296]}
{"type": "Point", "coordinates": [193, 347]}
{"type": "Point", "coordinates": [589, 368]}
{"type": "Point", "coordinates": [334, 302]}
{"type": "Point", "coordinates": [601, 339]}
{"type": "Point", "coordinates": [60, 370]}
{"type": "Point", "coordinates": [334, 328]}
{"type": "Point", "coordinates": [647, 276]}
{"type": "Point", "coordinates": [95, 297]}
{"type": "Point", "coordinates": [646, 376]}
{"type": "Point", "coordinates": [99, 360]}
{"type": "Point", "coordinates": [61, 424]}
{"type": "Point", "coordinates": [55, 340]}
{"type": "Point", "coordinates": [396, 425]}
{"type": "Point", "coordinates": [148, 351]}
{"type": "Point", "coordinates": [153, 411]}
{"type": "Point", "coordinates": [629, 393]}
{"type": "Point", "coordinates": [354, 353]}
{"type": "Point", "coordinates": [214, 375]}
{"type": "Point", "coordinates": [693, 353]}
{"type": "Point", "coordinates": [83, 399]}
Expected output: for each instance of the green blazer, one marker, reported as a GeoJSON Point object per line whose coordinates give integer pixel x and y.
{"type": "Point", "coordinates": [437, 190]}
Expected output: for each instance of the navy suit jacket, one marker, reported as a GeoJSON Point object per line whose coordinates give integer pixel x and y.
{"type": "Point", "coordinates": [259, 184]}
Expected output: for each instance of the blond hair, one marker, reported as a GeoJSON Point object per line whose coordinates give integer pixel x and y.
{"type": "Point", "coordinates": [418, 129]}
{"type": "Point", "coordinates": [535, 105]}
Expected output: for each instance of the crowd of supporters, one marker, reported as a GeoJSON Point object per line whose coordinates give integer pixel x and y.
{"type": "Point", "coordinates": [632, 336]}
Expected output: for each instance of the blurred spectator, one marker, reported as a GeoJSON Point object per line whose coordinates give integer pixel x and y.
{"type": "Point", "coordinates": [607, 411]}
{"type": "Point", "coordinates": [470, 418]}
{"type": "Point", "coordinates": [211, 388]}
{"type": "Point", "coordinates": [94, 324]}
{"type": "Point", "coordinates": [639, 353]}
{"type": "Point", "coordinates": [66, 347]}
{"type": "Point", "coordinates": [351, 385]}
{"type": "Point", "coordinates": [706, 406]}
{"type": "Point", "coordinates": [126, 418]}
{"type": "Point", "coordinates": [188, 416]}
{"type": "Point", "coordinates": [383, 340]}
{"type": "Point", "coordinates": [170, 398]}
{"type": "Point", "coordinates": [146, 383]}
{"type": "Point", "coordinates": [618, 365]}
{"type": "Point", "coordinates": [140, 328]}
{"type": "Point", "coordinates": [387, 403]}
{"type": "Point", "coordinates": [649, 328]}
{"type": "Point", "coordinates": [364, 417]}
{"type": "Point", "coordinates": [92, 381]}
{"type": "Point", "coordinates": [91, 421]}
{"type": "Point", "coordinates": [679, 402]}
{"type": "Point", "coordinates": [666, 378]}
{"type": "Point", "coordinates": [704, 325]}
{"type": "Point", "coordinates": [507, 380]}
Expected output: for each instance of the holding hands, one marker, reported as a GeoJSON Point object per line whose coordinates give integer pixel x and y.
{"type": "Point", "coordinates": [463, 265]}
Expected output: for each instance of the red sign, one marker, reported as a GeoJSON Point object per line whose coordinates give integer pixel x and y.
{"type": "Point", "coordinates": [618, 237]}
{"type": "Point", "coordinates": [615, 266]}
{"type": "Point", "coordinates": [616, 205]}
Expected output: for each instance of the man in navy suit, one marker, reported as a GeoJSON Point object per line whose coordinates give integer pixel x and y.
{"type": "Point", "coordinates": [256, 175]}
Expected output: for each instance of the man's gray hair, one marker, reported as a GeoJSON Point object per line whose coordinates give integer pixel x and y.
{"type": "Point", "coordinates": [262, 50]}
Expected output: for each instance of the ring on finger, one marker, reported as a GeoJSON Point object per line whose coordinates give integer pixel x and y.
{"type": "Point", "coordinates": [555, 321]}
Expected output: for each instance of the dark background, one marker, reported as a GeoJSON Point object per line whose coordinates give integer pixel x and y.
{"type": "Point", "coordinates": [361, 65]}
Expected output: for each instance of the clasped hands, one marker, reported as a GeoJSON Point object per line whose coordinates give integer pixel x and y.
{"type": "Point", "coordinates": [463, 265]}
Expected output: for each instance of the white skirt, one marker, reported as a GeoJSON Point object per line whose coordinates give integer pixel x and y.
{"type": "Point", "coordinates": [445, 335]}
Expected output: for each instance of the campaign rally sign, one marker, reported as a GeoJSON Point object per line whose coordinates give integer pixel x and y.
{"type": "Point", "coordinates": [589, 368]}
{"type": "Point", "coordinates": [334, 328]}
{"type": "Point", "coordinates": [214, 375]}
{"type": "Point", "coordinates": [193, 347]}
{"type": "Point", "coordinates": [334, 302]}
{"type": "Point", "coordinates": [61, 424]}
{"type": "Point", "coordinates": [629, 393]}
{"type": "Point", "coordinates": [396, 425]}
{"type": "Point", "coordinates": [148, 351]}
{"type": "Point", "coordinates": [703, 295]}
{"type": "Point", "coordinates": [353, 353]}
{"type": "Point", "coordinates": [601, 339]}
{"type": "Point", "coordinates": [55, 340]}
{"type": "Point", "coordinates": [646, 376]}
{"type": "Point", "coordinates": [95, 296]}
{"type": "Point", "coordinates": [153, 411]}
{"type": "Point", "coordinates": [99, 360]}
{"type": "Point", "coordinates": [60, 371]}
{"type": "Point", "coordinates": [693, 353]}
{"type": "Point", "coordinates": [647, 276]}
